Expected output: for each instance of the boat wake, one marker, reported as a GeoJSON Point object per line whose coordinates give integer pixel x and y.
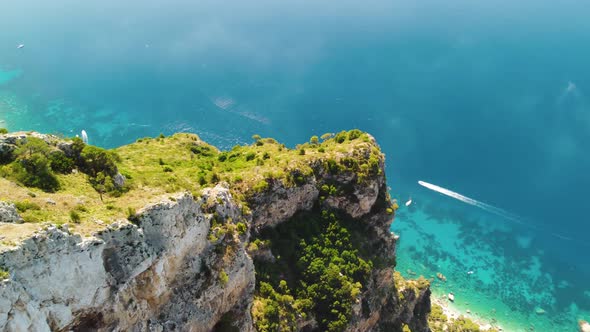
{"type": "Point", "coordinates": [489, 208]}
{"type": "Point", "coordinates": [471, 201]}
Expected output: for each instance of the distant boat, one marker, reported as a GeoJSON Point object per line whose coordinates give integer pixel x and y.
{"type": "Point", "coordinates": [20, 46]}
{"type": "Point", "coordinates": [409, 202]}
{"type": "Point", "coordinates": [84, 136]}
{"type": "Point", "coordinates": [451, 297]}
{"type": "Point", "coordinates": [469, 272]}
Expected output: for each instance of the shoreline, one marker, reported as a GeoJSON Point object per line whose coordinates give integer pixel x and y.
{"type": "Point", "coordinates": [453, 312]}
{"type": "Point", "coordinates": [434, 240]}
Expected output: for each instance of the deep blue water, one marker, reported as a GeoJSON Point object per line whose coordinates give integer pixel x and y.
{"type": "Point", "coordinates": [487, 98]}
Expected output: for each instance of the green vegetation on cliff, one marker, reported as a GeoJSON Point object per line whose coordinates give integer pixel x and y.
{"type": "Point", "coordinates": [4, 274]}
{"type": "Point", "coordinates": [36, 163]}
{"type": "Point", "coordinates": [318, 273]}
{"type": "Point", "coordinates": [322, 263]}
{"type": "Point", "coordinates": [83, 178]}
{"type": "Point", "coordinates": [439, 322]}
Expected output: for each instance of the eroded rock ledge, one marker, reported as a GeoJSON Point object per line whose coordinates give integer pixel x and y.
{"type": "Point", "coordinates": [171, 270]}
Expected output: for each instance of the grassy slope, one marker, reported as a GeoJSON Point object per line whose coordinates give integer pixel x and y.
{"type": "Point", "coordinates": [156, 167]}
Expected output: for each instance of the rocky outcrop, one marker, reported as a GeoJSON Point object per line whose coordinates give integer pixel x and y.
{"type": "Point", "coordinates": [8, 213]}
{"type": "Point", "coordinates": [385, 308]}
{"type": "Point", "coordinates": [161, 274]}
{"type": "Point", "coordinates": [366, 200]}
{"type": "Point", "coordinates": [173, 268]}
{"type": "Point", "coordinates": [381, 307]}
{"type": "Point", "coordinates": [119, 180]}
{"type": "Point", "coordinates": [584, 326]}
{"type": "Point", "coordinates": [280, 203]}
{"type": "Point", "coordinates": [356, 198]}
{"type": "Point", "coordinates": [9, 142]}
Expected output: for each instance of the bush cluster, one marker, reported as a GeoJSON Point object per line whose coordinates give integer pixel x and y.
{"type": "Point", "coordinates": [223, 278]}
{"type": "Point", "coordinates": [340, 137]}
{"type": "Point", "coordinates": [314, 140]}
{"type": "Point", "coordinates": [250, 156]}
{"type": "Point", "coordinates": [33, 166]}
{"type": "Point", "coordinates": [101, 168]}
{"type": "Point", "coordinates": [202, 150]}
{"type": "Point", "coordinates": [261, 186]}
{"type": "Point", "coordinates": [439, 322]}
{"type": "Point", "coordinates": [35, 163]}
{"type": "Point", "coordinates": [328, 190]}
{"type": "Point", "coordinates": [354, 134]}
{"type": "Point", "coordinates": [324, 270]}
{"type": "Point", "coordinates": [26, 205]}
{"type": "Point", "coordinates": [75, 217]}
{"type": "Point", "coordinates": [4, 274]}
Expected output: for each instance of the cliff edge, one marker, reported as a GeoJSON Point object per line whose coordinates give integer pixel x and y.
{"type": "Point", "coordinates": [175, 235]}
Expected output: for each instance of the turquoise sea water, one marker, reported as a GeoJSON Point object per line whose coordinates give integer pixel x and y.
{"type": "Point", "coordinates": [488, 98]}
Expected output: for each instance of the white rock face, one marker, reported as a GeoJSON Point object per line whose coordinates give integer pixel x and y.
{"type": "Point", "coordinates": [8, 213]}
{"type": "Point", "coordinates": [281, 203]}
{"type": "Point", "coordinates": [365, 195]}
{"type": "Point", "coordinates": [162, 275]}
{"type": "Point", "coordinates": [584, 326]}
{"type": "Point", "coordinates": [119, 180]}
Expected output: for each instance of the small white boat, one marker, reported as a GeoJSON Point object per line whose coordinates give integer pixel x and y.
{"type": "Point", "coordinates": [84, 136]}
{"type": "Point", "coordinates": [409, 202]}
{"type": "Point", "coordinates": [20, 46]}
{"type": "Point", "coordinates": [451, 297]}
{"type": "Point", "coordinates": [469, 272]}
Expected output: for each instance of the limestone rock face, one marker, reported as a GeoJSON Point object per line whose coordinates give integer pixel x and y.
{"type": "Point", "coordinates": [67, 148]}
{"type": "Point", "coordinates": [366, 200]}
{"type": "Point", "coordinates": [280, 203]}
{"type": "Point", "coordinates": [119, 180]}
{"type": "Point", "coordinates": [382, 309]}
{"type": "Point", "coordinates": [160, 275]}
{"type": "Point", "coordinates": [358, 201]}
{"type": "Point", "coordinates": [584, 326]}
{"type": "Point", "coordinates": [172, 269]}
{"type": "Point", "coordinates": [8, 213]}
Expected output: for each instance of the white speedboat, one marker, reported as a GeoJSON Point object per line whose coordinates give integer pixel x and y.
{"type": "Point", "coordinates": [84, 136]}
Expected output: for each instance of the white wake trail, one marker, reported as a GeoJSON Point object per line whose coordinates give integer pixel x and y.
{"type": "Point", "coordinates": [492, 209]}
{"type": "Point", "coordinates": [474, 202]}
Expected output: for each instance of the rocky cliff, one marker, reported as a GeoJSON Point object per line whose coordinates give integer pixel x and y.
{"type": "Point", "coordinates": [180, 263]}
